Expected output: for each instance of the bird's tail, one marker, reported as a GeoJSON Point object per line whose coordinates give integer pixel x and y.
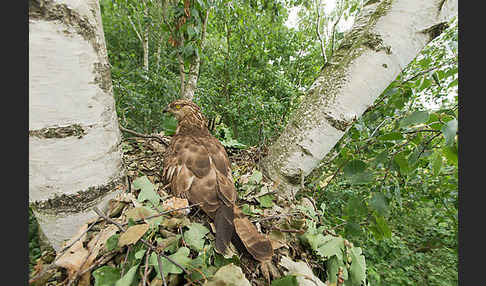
{"type": "Point", "coordinates": [257, 244]}
{"type": "Point", "coordinates": [225, 230]}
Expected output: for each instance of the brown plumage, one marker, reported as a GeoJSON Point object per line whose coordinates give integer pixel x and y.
{"type": "Point", "coordinates": [197, 168]}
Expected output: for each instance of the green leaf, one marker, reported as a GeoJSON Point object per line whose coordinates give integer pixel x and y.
{"type": "Point", "coordinates": [365, 177]}
{"type": "Point", "coordinates": [402, 161]}
{"type": "Point", "coordinates": [181, 257]}
{"type": "Point", "coordinates": [355, 171]}
{"type": "Point", "coordinates": [436, 163]}
{"type": "Point", "coordinates": [449, 130]}
{"type": "Point", "coordinates": [357, 271]}
{"type": "Point", "coordinates": [266, 201]}
{"type": "Point", "coordinates": [190, 31]}
{"type": "Point", "coordinates": [142, 212]}
{"type": "Point", "coordinates": [106, 276]}
{"type": "Point", "coordinates": [332, 246]}
{"type": "Point", "coordinates": [194, 237]}
{"type": "Point", "coordinates": [314, 240]}
{"type": "Point", "coordinates": [450, 152]}
{"type": "Point", "coordinates": [415, 118]}
{"type": "Point", "coordinates": [352, 228]}
{"type": "Point", "coordinates": [289, 280]}
{"type": "Point", "coordinates": [112, 242]}
{"type": "Point", "coordinates": [391, 136]}
{"type": "Point", "coordinates": [147, 191]}
{"type": "Point", "coordinates": [355, 208]}
{"type": "Point", "coordinates": [379, 203]}
{"type": "Point", "coordinates": [354, 167]}
{"type": "Point", "coordinates": [129, 277]}
{"type": "Point", "coordinates": [333, 265]}
{"type": "Point", "coordinates": [256, 177]}
{"type": "Point", "coordinates": [139, 254]}
{"type": "Point", "coordinates": [380, 228]}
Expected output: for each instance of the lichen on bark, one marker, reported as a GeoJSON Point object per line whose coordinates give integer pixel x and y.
{"type": "Point", "coordinates": [80, 201]}
{"type": "Point", "coordinates": [74, 130]}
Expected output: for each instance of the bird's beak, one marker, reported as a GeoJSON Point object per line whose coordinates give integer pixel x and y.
{"type": "Point", "coordinates": [166, 109]}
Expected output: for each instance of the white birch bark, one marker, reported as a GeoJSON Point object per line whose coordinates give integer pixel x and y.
{"type": "Point", "coordinates": [190, 83]}
{"type": "Point", "coordinates": [74, 140]}
{"type": "Point", "coordinates": [386, 37]}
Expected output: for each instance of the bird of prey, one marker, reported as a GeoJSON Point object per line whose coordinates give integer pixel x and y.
{"type": "Point", "coordinates": [196, 167]}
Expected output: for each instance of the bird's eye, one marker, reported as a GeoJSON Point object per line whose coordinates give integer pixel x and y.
{"type": "Point", "coordinates": [178, 106]}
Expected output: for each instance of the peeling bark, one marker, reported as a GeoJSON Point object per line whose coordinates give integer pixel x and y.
{"type": "Point", "coordinates": [385, 38]}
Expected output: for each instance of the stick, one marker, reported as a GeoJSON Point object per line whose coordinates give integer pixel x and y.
{"type": "Point", "coordinates": [145, 273]}
{"type": "Point", "coordinates": [125, 261]}
{"type": "Point", "coordinates": [159, 261]}
{"type": "Point", "coordinates": [158, 138]}
{"type": "Point", "coordinates": [105, 258]}
{"type": "Point", "coordinates": [169, 211]}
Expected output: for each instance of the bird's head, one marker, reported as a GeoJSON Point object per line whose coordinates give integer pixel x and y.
{"type": "Point", "coordinates": [181, 108]}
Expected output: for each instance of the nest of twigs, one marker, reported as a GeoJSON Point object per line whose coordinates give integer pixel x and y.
{"type": "Point", "coordinates": [134, 238]}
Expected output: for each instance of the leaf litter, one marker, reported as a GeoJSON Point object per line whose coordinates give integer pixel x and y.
{"type": "Point", "coordinates": [184, 236]}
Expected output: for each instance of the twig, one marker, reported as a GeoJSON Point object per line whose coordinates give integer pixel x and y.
{"type": "Point", "coordinates": [125, 261]}
{"type": "Point", "coordinates": [101, 214]}
{"type": "Point", "coordinates": [158, 138]}
{"type": "Point", "coordinates": [270, 217]}
{"type": "Point", "coordinates": [74, 241]}
{"type": "Point", "coordinates": [145, 272]}
{"type": "Point", "coordinates": [43, 272]}
{"type": "Point", "coordinates": [335, 174]}
{"type": "Point", "coordinates": [334, 31]}
{"type": "Point", "coordinates": [422, 130]}
{"type": "Point", "coordinates": [159, 260]}
{"type": "Point", "coordinates": [318, 23]}
{"type": "Point", "coordinates": [105, 258]}
{"type": "Point", "coordinates": [289, 230]}
{"type": "Point", "coordinates": [378, 127]}
{"type": "Point", "coordinates": [163, 213]}
{"type": "Point", "coordinates": [135, 29]}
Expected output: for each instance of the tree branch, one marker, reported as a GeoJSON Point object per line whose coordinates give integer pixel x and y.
{"type": "Point", "coordinates": [158, 138]}
{"type": "Point", "coordinates": [318, 23]}
{"type": "Point", "coordinates": [135, 29]}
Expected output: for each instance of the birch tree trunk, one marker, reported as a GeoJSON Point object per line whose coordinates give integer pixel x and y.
{"type": "Point", "coordinates": [190, 83]}
{"type": "Point", "coordinates": [385, 38]}
{"type": "Point", "coordinates": [145, 43]}
{"type": "Point", "coordinates": [74, 140]}
{"type": "Point", "coordinates": [146, 49]}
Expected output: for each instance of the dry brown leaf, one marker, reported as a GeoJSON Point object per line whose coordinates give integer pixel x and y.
{"type": "Point", "coordinates": [175, 222]}
{"type": "Point", "coordinates": [176, 203]}
{"type": "Point", "coordinates": [73, 258]}
{"type": "Point", "coordinates": [133, 234]}
{"type": "Point", "coordinates": [139, 213]}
